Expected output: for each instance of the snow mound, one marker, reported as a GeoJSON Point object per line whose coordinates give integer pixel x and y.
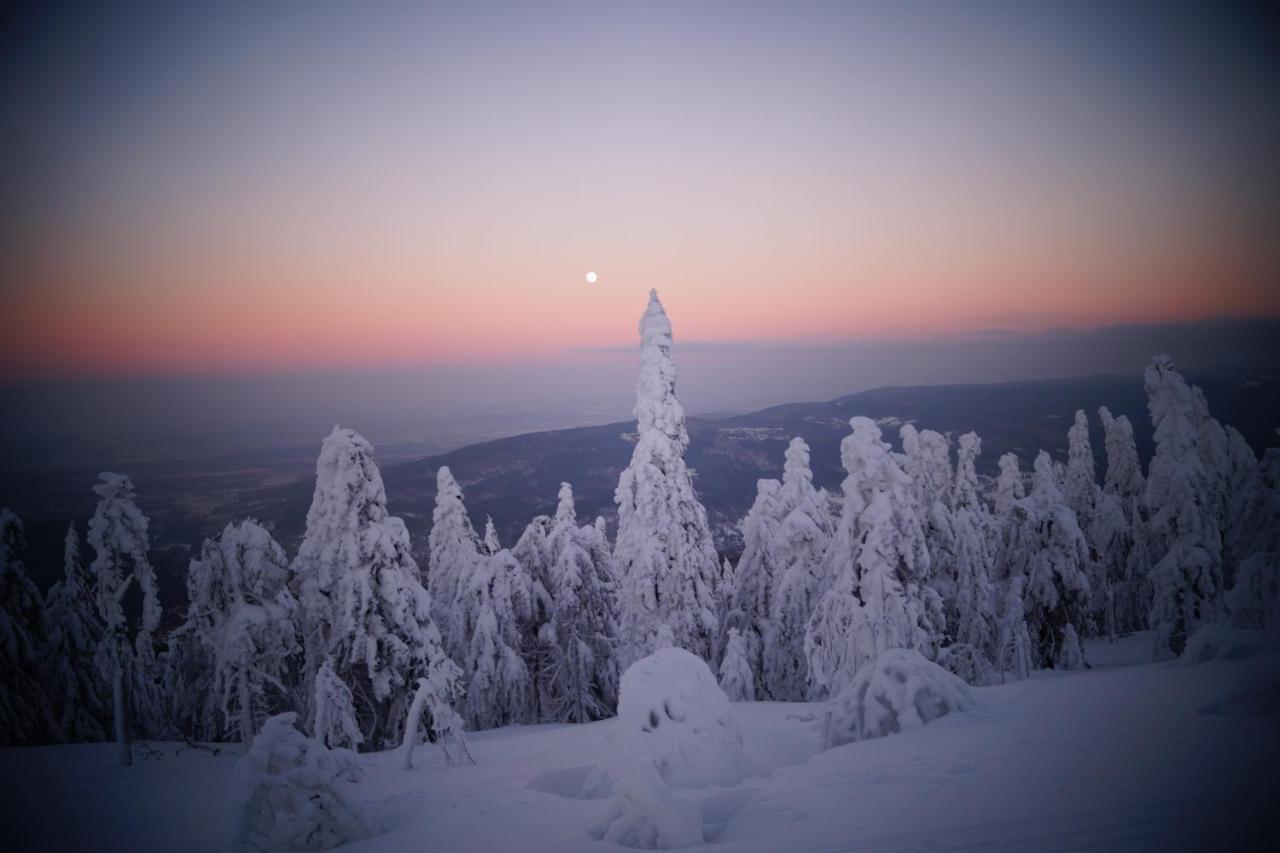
{"type": "Point", "coordinates": [296, 791]}
{"type": "Point", "coordinates": [648, 814]}
{"type": "Point", "coordinates": [896, 691]}
{"type": "Point", "coordinates": [672, 712]}
{"type": "Point", "coordinates": [1218, 642]}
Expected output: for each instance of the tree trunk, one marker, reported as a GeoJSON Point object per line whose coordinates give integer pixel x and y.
{"type": "Point", "coordinates": [124, 739]}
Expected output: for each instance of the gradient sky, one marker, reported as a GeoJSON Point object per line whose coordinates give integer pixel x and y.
{"type": "Point", "coordinates": [298, 185]}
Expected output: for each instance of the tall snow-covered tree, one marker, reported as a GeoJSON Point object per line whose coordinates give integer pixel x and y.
{"type": "Point", "coordinates": [26, 715]}
{"type": "Point", "coordinates": [73, 681]}
{"type": "Point", "coordinates": [926, 460]}
{"type": "Point", "coordinates": [118, 536]}
{"type": "Point", "coordinates": [879, 598]}
{"type": "Point", "coordinates": [1128, 555]}
{"type": "Point", "coordinates": [736, 678]}
{"type": "Point", "coordinates": [453, 556]}
{"type": "Point", "coordinates": [800, 543]}
{"type": "Point", "coordinates": [582, 671]}
{"type": "Point", "coordinates": [498, 688]}
{"type": "Point", "coordinates": [533, 552]}
{"type": "Point", "coordinates": [973, 609]}
{"type": "Point", "coordinates": [334, 710]}
{"type": "Point", "coordinates": [749, 605]}
{"type": "Point", "coordinates": [1085, 497]}
{"type": "Point", "coordinates": [1053, 550]}
{"type": "Point", "coordinates": [1180, 500]}
{"type": "Point", "coordinates": [245, 617]}
{"type": "Point", "coordinates": [664, 550]}
{"type": "Point", "coordinates": [361, 603]}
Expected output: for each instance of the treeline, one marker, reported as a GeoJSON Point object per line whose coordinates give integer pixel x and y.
{"type": "Point", "coordinates": [989, 578]}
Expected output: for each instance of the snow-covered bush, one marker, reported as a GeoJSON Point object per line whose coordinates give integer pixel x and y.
{"type": "Point", "coordinates": [1218, 642]}
{"type": "Point", "coordinates": [969, 663]}
{"type": "Point", "coordinates": [672, 712]}
{"type": "Point", "coordinates": [898, 690]}
{"type": "Point", "coordinates": [1254, 601]}
{"type": "Point", "coordinates": [297, 791]}
{"type": "Point", "coordinates": [648, 814]}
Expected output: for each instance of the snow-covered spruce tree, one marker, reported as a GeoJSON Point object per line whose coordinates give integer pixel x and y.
{"type": "Point", "coordinates": [361, 603]}
{"type": "Point", "coordinates": [1084, 496]}
{"type": "Point", "coordinates": [74, 684]}
{"type": "Point", "coordinates": [1187, 578]}
{"type": "Point", "coordinates": [664, 551]}
{"type": "Point", "coordinates": [187, 686]}
{"type": "Point", "coordinates": [972, 614]}
{"type": "Point", "coordinates": [335, 714]}
{"type": "Point", "coordinates": [1013, 640]}
{"type": "Point", "coordinates": [490, 545]}
{"type": "Point", "coordinates": [799, 545]}
{"type": "Point", "coordinates": [118, 536]}
{"type": "Point", "coordinates": [749, 605]}
{"type": "Point", "coordinates": [926, 460]}
{"type": "Point", "coordinates": [453, 555]}
{"type": "Point", "coordinates": [1129, 556]}
{"type": "Point", "coordinates": [533, 552]}
{"type": "Point", "coordinates": [1049, 543]}
{"type": "Point", "coordinates": [582, 670]}
{"type": "Point", "coordinates": [736, 679]}
{"type": "Point", "coordinates": [26, 715]}
{"type": "Point", "coordinates": [1249, 529]}
{"type": "Point", "coordinates": [879, 598]}
{"type": "Point", "coordinates": [246, 619]}
{"type": "Point", "coordinates": [498, 690]}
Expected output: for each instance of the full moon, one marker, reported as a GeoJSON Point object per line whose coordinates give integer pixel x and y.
{"type": "Point", "coordinates": [591, 278]}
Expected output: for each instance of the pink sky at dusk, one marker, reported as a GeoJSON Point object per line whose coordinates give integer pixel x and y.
{"type": "Point", "coordinates": [431, 188]}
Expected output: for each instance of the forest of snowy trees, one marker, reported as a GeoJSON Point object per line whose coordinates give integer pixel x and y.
{"type": "Point", "coordinates": [365, 649]}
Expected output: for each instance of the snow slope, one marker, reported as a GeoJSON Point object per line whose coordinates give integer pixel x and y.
{"type": "Point", "coordinates": [1126, 756]}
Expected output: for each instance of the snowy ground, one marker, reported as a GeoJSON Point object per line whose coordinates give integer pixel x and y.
{"type": "Point", "coordinates": [1127, 756]}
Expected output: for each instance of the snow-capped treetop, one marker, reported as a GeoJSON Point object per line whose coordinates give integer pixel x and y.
{"type": "Point", "coordinates": [965, 492]}
{"type": "Point", "coordinates": [665, 555]}
{"type": "Point", "coordinates": [1124, 471]}
{"type": "Point", "coordinates": [1009, 488]}
{"type": "Point", "coordinates": [797, 476]}
{"type": "Point", "coordinates": [565, 513]}
{"type": "Point", "coordinates": [657, 408]}
{"type": "Point", "coordinates": [453, 551]}
{"type": "Point", "coordinates": [348, 494]}
{"type": "Point", "coordinates": [927, 461]}
{"type": "Point", "coordinates": [118, 534]}
{"type": "Point", "coordinates": [490, 543]}
{"type": "Point", "coordinates": [1177, 486]}
{"type": "Point", "coordinates": [1081, 486]}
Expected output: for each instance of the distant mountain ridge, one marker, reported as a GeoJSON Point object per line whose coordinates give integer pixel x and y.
{"type": "Point", "coordinates": [514, 479]}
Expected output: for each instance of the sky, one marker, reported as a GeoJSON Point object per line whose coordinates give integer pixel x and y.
{"type": "Point", "coordinates": [251, 189]}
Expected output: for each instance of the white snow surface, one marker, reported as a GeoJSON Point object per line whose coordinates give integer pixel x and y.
{"type": "Point", "coordinates": [1126, 756]}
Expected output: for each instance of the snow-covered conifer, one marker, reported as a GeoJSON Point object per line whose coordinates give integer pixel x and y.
{"type": "Point", "coordinates": [118, 535]}
{"type": "Point", "coordinates": [582, 670]}
{"type": "Point", "coordinates": [498, 689]}
{"type": "Point", "coordinates": [74, 683]}
{"type": "Point", "coordinates": [1180, 498]}
{"type": "Point", "coordinates": [362, 604]}
{"type": "Point", "coordinates": [242, 612]}
{"type": "Point", "coordinates": [453, 555]}
{"type": "Point", "coordinates": [879, 598]}
{"type": "Point", "coordinates": [1128, 555]}
{"type": "Point", "coordinates": [664, 551]}
{"type": "Point", "coordinates": [749, 605]}
{"type": "Point", "coordinates": [490, 543]}
{"type": "Point", "coordinates": [26, 716]}
{"type": "Point", "coordinates": [1049, 543]}
{"type": "Point", "coordinates": [335, 714]}
{"type": "Point", "coordinates": [799, 545]}
{"type": "Point", "coordinates": [972, 614]}
{"type": "Point", "coordinates": [736, 678]}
